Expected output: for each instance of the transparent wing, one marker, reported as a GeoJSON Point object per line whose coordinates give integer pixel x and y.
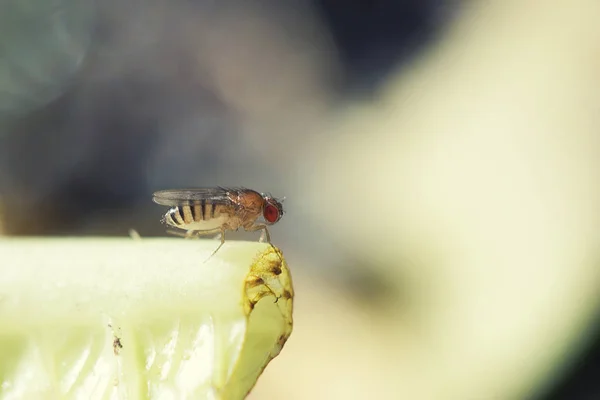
{"type": "Point", "coordinates": [180, 197]}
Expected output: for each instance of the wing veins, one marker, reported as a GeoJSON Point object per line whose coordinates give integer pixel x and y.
{"type": "Point", "coordinates": [194, 196]}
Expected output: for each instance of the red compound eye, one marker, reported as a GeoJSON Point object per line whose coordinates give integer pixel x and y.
{"type": "Point", "coordinates": [271, 214]}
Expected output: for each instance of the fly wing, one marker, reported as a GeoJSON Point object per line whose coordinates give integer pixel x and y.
{"type": "Point", "coordinates": [182, 197]}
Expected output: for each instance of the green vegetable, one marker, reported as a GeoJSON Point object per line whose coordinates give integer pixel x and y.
{"type": "Point", "coordinates": [132, 319]}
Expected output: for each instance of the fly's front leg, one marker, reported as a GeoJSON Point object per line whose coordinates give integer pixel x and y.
{"type": "Point", "coordinates": [263, 235]}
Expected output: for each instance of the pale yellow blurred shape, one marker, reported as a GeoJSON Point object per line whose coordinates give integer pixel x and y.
{"type": "Point", "coordinates": [474, 182]}
{"type": "Point", "coordinates": [116, 318]}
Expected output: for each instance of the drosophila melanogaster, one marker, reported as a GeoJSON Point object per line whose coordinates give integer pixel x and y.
{"type": "Point", "coordinates": [206, 211]}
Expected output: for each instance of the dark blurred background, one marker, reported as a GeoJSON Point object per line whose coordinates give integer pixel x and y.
{"type": "Point", "coordinates": [113, 100]}
{"type": "Point", "coordinates": [104, 102]}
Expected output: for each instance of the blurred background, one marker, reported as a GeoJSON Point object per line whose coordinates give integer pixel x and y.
{"type": "Point", "coordinates": [439, 158]}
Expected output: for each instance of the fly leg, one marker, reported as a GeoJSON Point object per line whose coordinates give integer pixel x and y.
{"type": "Point", "coordinates": [190, 235]}
{"type": "Point", "coordinates": [221, 232]}
{"type": "Point", "coordinates": [195, 234]}
{"type": "Point", "coordinates": [264, 234]}
{"type": "Point", "coordinates": [185, 235]}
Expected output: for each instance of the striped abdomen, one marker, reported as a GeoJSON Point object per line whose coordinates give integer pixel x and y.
{"type": "Point", "coordinates": [198, 217]}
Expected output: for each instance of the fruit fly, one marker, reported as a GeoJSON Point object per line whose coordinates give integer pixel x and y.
{"type": "Point", "coordinates": [206, 211]}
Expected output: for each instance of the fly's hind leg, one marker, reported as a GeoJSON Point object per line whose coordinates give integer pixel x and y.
{"type": "Point", "coordinates": [185, 235]}
{"type": "Point", "coordinates": [221, 231]}
{"type": "Point", "coordinates": [196, 234]}
{"type": "Point", "coordinates": [191, 235]}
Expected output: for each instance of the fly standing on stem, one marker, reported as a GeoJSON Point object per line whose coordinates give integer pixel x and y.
{"type": "Point", "coordinates": [206, 211]}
